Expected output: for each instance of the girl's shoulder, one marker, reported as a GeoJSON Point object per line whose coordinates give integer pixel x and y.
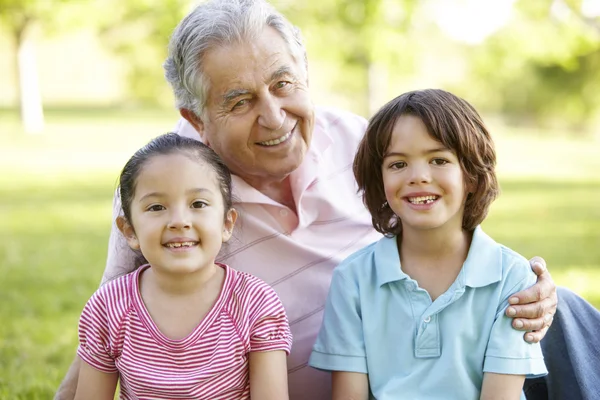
{"type": "Point", "coordinates": [116, 293]}
{"type": "Point", "coordinates": [247, 284]}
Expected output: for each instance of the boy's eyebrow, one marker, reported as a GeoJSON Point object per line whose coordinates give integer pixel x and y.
{"type": "Point", "coordinates": [161, 194]}
{"type": "Point", "coordinates": [436, 150]}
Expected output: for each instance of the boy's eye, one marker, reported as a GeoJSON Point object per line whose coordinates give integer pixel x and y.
{"type": "Point", "coordinates": [199, 204]}
{"type": "Point", "coordinates": [156, 207]}
{"type": "Point", "coordinates": [439, 161]}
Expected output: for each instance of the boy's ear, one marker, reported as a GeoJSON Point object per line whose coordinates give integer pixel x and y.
{"type": "Point", "coordinates": [127, 230]}
{"type": "Point", "coordinates": [229, 224]}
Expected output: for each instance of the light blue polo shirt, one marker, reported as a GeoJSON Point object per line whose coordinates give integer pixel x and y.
{"type": "Point", "coordinates": [379, 322]}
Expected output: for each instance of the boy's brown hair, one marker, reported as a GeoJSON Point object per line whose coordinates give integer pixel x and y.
{"type": "Point", "coordinates": [450, 120]}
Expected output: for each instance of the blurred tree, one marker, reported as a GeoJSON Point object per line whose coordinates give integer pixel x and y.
{"type": "Point", "coordinates": [543, 66]}
{"type": "Point", "coordinates": [19, 17]}
{"type": "Point", "coordinates": [364, 37]}
{"type": "Point", "coordinates": [139, 31]}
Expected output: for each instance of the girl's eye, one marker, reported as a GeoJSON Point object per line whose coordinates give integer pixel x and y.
{"type": "Point", "coordinates": [199, 204]}
{"type": "Point", "coordinates": [439, 161]}
{"type": "Point", "coordinates": [398, 165]}
{"type": "Point", "coordinates": [156, 207]}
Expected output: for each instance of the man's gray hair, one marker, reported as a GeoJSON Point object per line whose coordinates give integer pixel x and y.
{"type": "Point", "coordinates": [217, 23]}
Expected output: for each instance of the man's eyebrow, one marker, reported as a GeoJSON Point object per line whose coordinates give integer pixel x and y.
{"type": "Point", "coordinates": [436, 150]}
{"type": "Point", "coordinates": [280, 72]}
{"type": "Point", "coordinates": [234, 93]}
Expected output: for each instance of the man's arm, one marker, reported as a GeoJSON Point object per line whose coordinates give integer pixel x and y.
{"type": "Point", "coordinates": [68, 387]}
{"type": "Point", "coordinates": [533, 309]}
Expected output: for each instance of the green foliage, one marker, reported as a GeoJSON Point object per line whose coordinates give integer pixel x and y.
{"type": "Point", "coordinates": [139, 31]}
{"type": "Point", "coordinates": [542, 67]}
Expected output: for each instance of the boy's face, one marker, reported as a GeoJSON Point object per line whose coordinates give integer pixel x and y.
{"type": "Point", "coordinates": [423, 180]}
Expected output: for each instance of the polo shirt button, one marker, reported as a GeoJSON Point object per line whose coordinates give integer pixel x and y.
{"type": "Point", "coordinates": [426, 320]}
{"type": "Point", "coordinates": [283, 213]}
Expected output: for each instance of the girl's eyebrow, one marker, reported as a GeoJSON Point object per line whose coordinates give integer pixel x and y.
{"type": "Point", "coordinates": [161, 194]}
{"type": "Point", "coordinates": [400, 154]}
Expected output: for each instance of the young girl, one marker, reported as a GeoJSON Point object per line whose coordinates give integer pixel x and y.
{"type": "Point", "coordinates": [420, 313]}
{"type": "Point", "coordinates": [181, 326]}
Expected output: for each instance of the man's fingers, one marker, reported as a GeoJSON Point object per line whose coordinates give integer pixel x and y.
{"type": "Point", "coordinates": [535, 337]}
{"type": "Point", "coordinates": [543, 289]}
{"type": "Point", "coordinates": [538, 265]}
{"type": "Point", "coordinates": [532, 311]}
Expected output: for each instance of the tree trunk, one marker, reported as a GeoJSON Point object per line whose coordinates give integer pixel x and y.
{"type": "Point", "coordinates": [29, 96]}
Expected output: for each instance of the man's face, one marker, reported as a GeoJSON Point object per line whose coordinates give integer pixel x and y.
{"type": "Point", "coordinates": [258, 116]}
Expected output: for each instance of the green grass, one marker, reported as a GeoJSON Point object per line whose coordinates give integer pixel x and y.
{"type": "Point", "coordinates": [55, 206]}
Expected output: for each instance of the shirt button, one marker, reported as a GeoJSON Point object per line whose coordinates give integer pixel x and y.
{"type": "Point", "coordinates": [426, 320]}
{"type": "Point", "coordinates": [283, 213]}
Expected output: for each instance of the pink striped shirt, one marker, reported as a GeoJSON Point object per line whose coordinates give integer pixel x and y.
{"type": "Point", "coordinates": [295, 252]}
{"type": "Point", "coordinates": [117, 334]}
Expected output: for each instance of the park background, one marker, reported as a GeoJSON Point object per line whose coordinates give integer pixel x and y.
{"type": "Point", "coordinates": [81, 88]}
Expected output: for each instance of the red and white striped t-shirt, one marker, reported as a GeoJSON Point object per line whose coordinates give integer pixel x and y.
{"type": "Point", "coordinates": [117, 334]}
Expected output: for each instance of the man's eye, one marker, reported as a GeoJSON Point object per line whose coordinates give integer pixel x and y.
{"type": "Point", "coordinates": [439, 161]}
{"type": "Point", "coordinates": [240, 103]}
{"type": "Point", "coordinates": [281, 84]}
{"type": "Point", "coordinates": [156, 207]}
{"type": "Point", "coordinates": [199, 204]}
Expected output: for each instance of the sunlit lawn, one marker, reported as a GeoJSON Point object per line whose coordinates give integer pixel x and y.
{"type": "Point", "coordinates": [55, 205]}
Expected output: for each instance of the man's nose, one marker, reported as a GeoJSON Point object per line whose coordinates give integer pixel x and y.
{"type": "Point", "coordinates": [271, 114]}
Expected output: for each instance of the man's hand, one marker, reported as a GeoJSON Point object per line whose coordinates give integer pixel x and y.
{"type": "Point", "coordinates": [533, 309]}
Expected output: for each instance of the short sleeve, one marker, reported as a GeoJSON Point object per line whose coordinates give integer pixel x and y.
{"type": "Point", "coordinates": [340, 344]}
{"type": "Point", "coordinates": [507, 352]}
{"type": "Point", "coordinates": [94, 342]}
{"type": "Point", "coordinates": [270, 329]}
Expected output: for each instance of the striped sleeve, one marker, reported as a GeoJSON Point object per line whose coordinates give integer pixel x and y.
{"type": "Point", "coordinates": [94, 342]}
{"type": "Point", "coordinates": [269, 326]}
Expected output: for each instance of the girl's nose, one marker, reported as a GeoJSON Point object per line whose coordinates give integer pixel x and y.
{"type": "Point", "coordinates": [179, 219]}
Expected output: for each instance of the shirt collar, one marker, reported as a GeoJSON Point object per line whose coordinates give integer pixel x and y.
{"type": "Point", "coordinates": [482, 267]}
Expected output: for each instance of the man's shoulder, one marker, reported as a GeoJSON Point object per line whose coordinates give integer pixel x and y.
{"type": "Point", "coordinates": [335, 120]}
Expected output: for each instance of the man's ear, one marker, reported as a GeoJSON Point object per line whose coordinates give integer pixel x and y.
{"type": "Point", "coordinates": [127, 230]}
{"type": "Point", "coordinates": [229, 224]}
{"type": "Point", "coordinates": [194, 120]}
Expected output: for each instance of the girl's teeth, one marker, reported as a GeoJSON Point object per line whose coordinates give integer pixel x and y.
{"type": "Point", "coordinates": [183, 244]}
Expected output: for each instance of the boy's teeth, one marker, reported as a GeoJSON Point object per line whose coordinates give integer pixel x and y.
{"type": "Point", "coordinates": [276, 141]}
{"type": "Point", "coordinates": [422, 199]}
{"type": "Point", "coordinates": [182, 244]}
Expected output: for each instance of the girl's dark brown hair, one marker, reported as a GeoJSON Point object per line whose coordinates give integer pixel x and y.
{"type": "Point", "coordinates": [450, 120]}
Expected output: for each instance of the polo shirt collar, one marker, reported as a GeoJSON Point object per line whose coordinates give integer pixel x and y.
{"type": "Point", "coordinates": [308, 170]}
{"type": "Point", "coordinates": [482, 267]}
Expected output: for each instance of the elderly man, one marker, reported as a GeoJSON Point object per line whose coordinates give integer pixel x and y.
{"type": "Point", "coordinates": [239, 73]}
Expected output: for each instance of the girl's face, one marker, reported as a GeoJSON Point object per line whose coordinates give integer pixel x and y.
{"type": "Point", "coordinates": [423, 180]}
{"type": "Point", "coordinates": [177, 214]}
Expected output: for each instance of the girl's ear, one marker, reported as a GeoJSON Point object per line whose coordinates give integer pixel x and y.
{"type": "Point", "coordinates": [229, 224]}
{"type": "Point", "coordinates": [127, 230]}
